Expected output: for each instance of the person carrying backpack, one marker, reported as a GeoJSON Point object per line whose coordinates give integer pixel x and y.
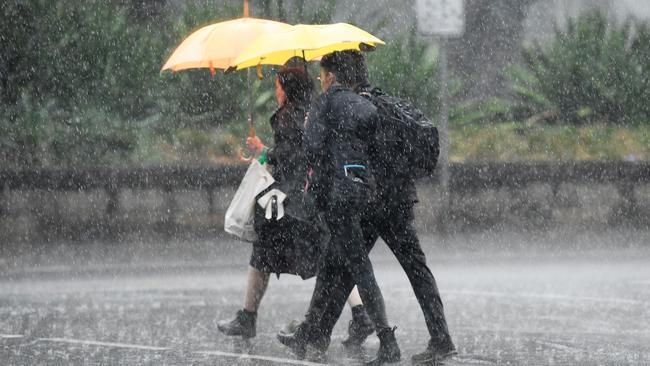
{"type": "Point", "coordinates": [405, 148]}
{"type": "Point", "coordinates": [337, 134]}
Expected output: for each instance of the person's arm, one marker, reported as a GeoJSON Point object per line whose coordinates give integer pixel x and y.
{"type": "Point", "coordinates": [257, 148]}
{"type": "Point", "coordinates": [288, 137]}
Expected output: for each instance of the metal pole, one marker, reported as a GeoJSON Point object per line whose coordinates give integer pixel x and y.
{"type": "Point", "coordinates": [251, 127]}
{"type": "Point", "coordinates": [444, 131]}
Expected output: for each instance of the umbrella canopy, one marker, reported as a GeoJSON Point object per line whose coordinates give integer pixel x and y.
{"type": "Point", "coordinates": [307, 41]}
{"type": "Point", "coordinates": [217, 45]}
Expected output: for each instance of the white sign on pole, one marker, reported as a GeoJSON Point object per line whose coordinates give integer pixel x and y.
{"type": "Point", "coordinates": [441, 17]}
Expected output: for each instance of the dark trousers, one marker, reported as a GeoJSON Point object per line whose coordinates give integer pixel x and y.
{"type": "Point", "coordinates": [345, 264]}
{"type": "Point", "coordinates": [394, 223]}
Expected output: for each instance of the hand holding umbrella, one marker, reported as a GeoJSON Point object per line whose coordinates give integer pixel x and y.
{"type": "Point", "coordinates": [255, 145]}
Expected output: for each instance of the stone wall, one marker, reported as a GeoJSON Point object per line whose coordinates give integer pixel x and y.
{"type": "Point", "coordinates": [489, 197]}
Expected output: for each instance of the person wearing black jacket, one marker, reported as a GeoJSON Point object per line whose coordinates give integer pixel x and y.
{"type": "Point", "coordinates": [289, 245]}
{"type": "Point", "coordinates": [391, 218]}
{"type": "Point", "coordinates": [338, 128]}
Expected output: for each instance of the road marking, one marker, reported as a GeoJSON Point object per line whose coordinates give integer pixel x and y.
{"type": "Point", "coordinates": [11, 336]}
{"type": "Point", "coordinates": [560, 346]}
{"type": "Point", "coordinates": [285, 361]}
{"type": "Point", "coordinates": [469, 360]}
{"type": "Point", "coordinates": [640, 282]}
{"type": "Point", "coordinates": [538, 332]}
{"type": "Point", "coordinates": [545, 296]}
{"type": "Point", "coordinates": [102, 344]}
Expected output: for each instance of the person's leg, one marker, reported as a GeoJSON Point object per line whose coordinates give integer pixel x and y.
{"type": "Point", "coordinates": [359, 267]}
{"type": "Point", "coordinates": [327, 302]}
{"type": "Point", "coordinates": [370, 293]}
{"type": "Point", "coordinates": [354, 299]}
{"type": "Point", "coordinates": [333, 283]}
{"type": "Point", "coordinates": [401, 237]}
{"type": "Point", "coordinates": [244, 322]}
{"type": "Point", "coordinates": [367, 283]}
{"type": "Point", "coordinates": [360, 326]}
{"type": "Point", "coordinates": [256, 287]}
{"type": "Point", "coordinates": [373, 315]}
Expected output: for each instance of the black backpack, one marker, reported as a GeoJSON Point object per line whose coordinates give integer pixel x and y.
{"type": "Point", "coordinates": [407, 144]}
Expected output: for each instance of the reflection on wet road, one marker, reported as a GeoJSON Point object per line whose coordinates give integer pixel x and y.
{"type": "Point", "coordinates": [542, 310]}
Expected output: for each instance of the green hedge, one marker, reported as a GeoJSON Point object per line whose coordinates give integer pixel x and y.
{"type": "Point", "coordinates": [593, 71]}
{"type": "Point", "coordinates": [80, 82]}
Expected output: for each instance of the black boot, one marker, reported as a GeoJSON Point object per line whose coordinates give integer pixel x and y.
{"type": "Point", "coordinates": [359, 328]}
{"type": "Point", "coordinates": [242, 325]}
{"type": "Point", "coordinates": [436, 352]}
{"type": "Point", "coordinates": [296, 341]}
{"type": "Point", "coordinates": [290, 328]}
{"type": "Point", "coordinates": [388, 348]}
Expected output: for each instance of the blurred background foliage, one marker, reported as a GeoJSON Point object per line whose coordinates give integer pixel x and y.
{"type": "Point", "coordinates": [80, 85]}
{"type": "Point", "coordinates": [592, 71]}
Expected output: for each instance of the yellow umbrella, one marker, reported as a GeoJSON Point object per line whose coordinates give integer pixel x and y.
{"type": "Point", "coordinates": [217, 45]}
{"type": "Point", "coordinates": [307, 41]}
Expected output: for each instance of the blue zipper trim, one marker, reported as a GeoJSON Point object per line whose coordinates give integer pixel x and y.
{"type": "Point", "coordinates": [352, 166]}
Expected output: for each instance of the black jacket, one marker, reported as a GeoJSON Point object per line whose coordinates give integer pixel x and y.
{"type": "Point", "coordinates": [392, 190]}
{"type": "Point", "coordinates": [339, 126]}
{"type": "Point", "coordinates": [287, 157]}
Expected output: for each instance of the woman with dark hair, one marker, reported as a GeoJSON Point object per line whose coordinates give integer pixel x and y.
{"type": "Point", "coordinates": [291, 244]}
{"type": "Point", "coordinates": [287, 244]}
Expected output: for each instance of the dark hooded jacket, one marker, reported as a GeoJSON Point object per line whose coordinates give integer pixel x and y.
{"type": "Point", "coordinates": [339, 125]}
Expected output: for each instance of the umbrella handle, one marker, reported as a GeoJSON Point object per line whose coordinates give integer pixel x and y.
{"type": "Point", "coordinates": [247, 158]}
{"type": "Point", "coordinates": [251, 128]}
{"type": "Point", "coordinates": [243, 158]}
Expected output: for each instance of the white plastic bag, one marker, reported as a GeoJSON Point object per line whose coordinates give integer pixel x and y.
{"type": "Point", "coordinates": [241, 212]}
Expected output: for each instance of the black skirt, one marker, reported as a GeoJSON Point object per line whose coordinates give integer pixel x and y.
{"type": "Point", "coordinates": [290, 245]}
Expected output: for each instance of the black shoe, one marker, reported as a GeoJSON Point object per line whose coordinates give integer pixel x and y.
{"type": "Point", "coordinates": [436, 352]}
{"type": "Point", "coordinates": [388, 348]}
{"type": "Point", "coordinates": [296, 341]}
{"type": "Point", "coordinates": [242, 325]}
{"type": "Point", "coordinates": [359, 328]}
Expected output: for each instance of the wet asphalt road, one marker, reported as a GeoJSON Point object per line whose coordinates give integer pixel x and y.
{"type": "Point", "coordinates": [517, 308]}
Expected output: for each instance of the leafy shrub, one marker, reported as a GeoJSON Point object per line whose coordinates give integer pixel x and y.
{"type": "Point", "coordinates": [516, 141]}
{"type": "Point", "coordinates": [594, 70]}
{"type": "Point", "coordinates": [82, 79]}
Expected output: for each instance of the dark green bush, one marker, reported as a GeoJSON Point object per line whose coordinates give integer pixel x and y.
{"type": "Point", "coordinates": [81, 84]}
{"type": "Point", "coordinates": [594, 70]}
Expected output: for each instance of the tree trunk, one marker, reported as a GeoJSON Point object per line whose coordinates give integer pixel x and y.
{"type": "Point", "coordinates": [493, 35]}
